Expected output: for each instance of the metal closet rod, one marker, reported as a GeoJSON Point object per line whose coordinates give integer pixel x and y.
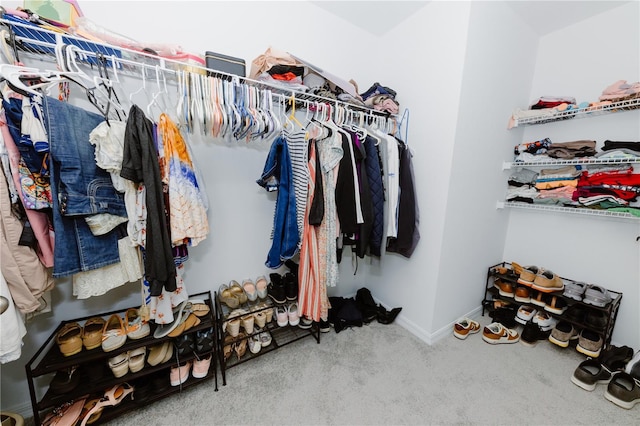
{"type": "Point", "coordinates": [161, 66]}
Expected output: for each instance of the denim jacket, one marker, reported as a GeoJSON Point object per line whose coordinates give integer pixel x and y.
{"type": "Point", "coordinates": [277, 176]}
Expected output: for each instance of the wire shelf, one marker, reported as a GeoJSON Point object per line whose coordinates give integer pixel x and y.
{"type": "Point", "coordinates": [40, 43]}
{"type": "Point", "coordinates": [571, 210]}
{"type": "Point", "coordinates": [576, 161]}
{"type": "Point", "coordinates": [618, 106]}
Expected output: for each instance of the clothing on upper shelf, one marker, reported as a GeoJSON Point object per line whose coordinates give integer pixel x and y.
{"type": "Point", "coordinates": [573, 149]}
{"type": "Point", "coordinates": [620, 90]}
{"type": "Point", "coordinates": [614, 145]}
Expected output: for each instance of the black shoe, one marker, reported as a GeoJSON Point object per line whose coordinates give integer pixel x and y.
{"type": "Point", "coordinates": [185, 344]}
{"type": "Point", "coordinates": [324, 326]}
{"type": "Point", "coordinates": [616, 358]}
{"type": "Point", "coordinates": [367, 305]}
{"type": "Point", "coordinates": [290, 286]}
{"type": "Point", "coordinates": [532, 334]}
{"type": "Point", "coordinates": [204, 341]}
{"type": "Point", "coordinates": [65, 380]}
{"type": "Point", "coordinates": [387, 317]}
{"type": "Point", "coordinates": [596, 320]}
{"type": "Point", "coordinates": [305, 323]}
{"type": "Point", "coordinates": [576, 313]}
{"type": "Point", "coordinates": [505, 315]}
{"type": "Point", "coordinates": [276, 289]}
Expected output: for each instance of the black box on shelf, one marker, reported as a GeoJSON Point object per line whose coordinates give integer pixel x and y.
{"type": "Point", "coordinates": [227, 64]}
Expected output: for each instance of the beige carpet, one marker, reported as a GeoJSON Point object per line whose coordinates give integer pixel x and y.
{"type": "Point", "coordinates": [382, 374]}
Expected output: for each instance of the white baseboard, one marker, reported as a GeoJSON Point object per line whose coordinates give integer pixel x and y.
{"type": "Point", "coordinates": [447, 330]}
{"type": "Point", "coordinates": [432, 338]}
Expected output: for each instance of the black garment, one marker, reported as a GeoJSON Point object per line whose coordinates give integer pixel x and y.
{"type": "Point", "coordinates": [366, 205]}
{"type": "Point", "coordinates": [611, 145]}
{"type": "Point", "coordinates": [316, 211]}
{"type": "Point", "coordinates": [346, 191]}
{"type": "Point", "coordinates": [408, 214]}
{"type": "Point", "coordinates": [374, 175]}
{"type": "Point", "coordinates": [140, 164]}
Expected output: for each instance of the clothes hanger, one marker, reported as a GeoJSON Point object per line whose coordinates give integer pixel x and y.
{"type": "Point", "coordinates": [292, 115]}
{"type": "Point", "coordinates": [142, 89]}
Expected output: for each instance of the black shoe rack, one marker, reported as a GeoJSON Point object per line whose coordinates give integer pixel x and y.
{"type": "Point", "coordinates": [280, 336]}
{"type": "Point", "coordinates": [48, 360]}
{"type": "Point", "coordinates": [504, 271]}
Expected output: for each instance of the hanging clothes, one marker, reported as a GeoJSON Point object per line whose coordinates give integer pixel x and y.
{"type": "Point", "coordinates": [298, 154]}
{"type": "Point", "coordinates": [12, 328]}
{"type": "Point", "coordinates": [330, 153]}
{"type": "Point", "coordinates": [188, 217]}
{"type": "Point", "coordinates": [26, 276]}
{"type": "Point", "coordinates": [39, 221]}
{"type": "Point", "coordinates": [376, 190]}
{"type": "Point", "coordinates": [408, 213]}
{"type": "Point", "coordinates": [79, 189]}
{"type": "Point", "coordinates": [310, 288]}
{"type": "Point", "coordinates": [277, 175]}
{"type": "Point", "coordinates": [140, 164]}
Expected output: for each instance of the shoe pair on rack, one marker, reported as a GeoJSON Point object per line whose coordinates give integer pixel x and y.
{"type": "Point", "coordinates": [287, 315]}
{"type": "Point", "coordinates": [233, 294]}
{"type": "Point", "coordinates": [538, 278]}
{"type": "Point", "coordinates": [180, 373]}
{"type": "Point", "coordinates": [116, 331]}
{"type": "Point", "coordinates": [257, 290]}
{"type": "Point", "coordinates": [588, 293]}
{"type": "Point", "coordinates": [125, 362]}
{"type": "Point", "coordinates": [283, 288]}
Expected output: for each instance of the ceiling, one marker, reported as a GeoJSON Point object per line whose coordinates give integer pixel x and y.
{"type": "Point", "coordinates": [544, 16]}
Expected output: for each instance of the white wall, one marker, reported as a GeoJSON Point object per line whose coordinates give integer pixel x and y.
{"type": "Point", "coordinates": [580, 61]}
{"type": "Point", "coordinates": [499, 62]}
{"type": "Point", "coordinates": [426, 70]}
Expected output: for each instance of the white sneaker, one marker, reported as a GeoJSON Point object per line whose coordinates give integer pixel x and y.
{"type": "Point", "coordinates": [294, 316]}
{"type": "Point", "coordinates": [281, 316]}
{"type": "Point", "coordinates": [545, 321]}
{"type": "Point", "coordinates": [525, 313]}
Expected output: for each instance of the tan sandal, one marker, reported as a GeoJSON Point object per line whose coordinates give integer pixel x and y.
{"type": "Point", "coordinates": [247, 323]}
{"type": "Point", "coordinates": [69, 339]}
{"type": "Point", "coordinates": [260, 318]}
{"type": "Point", "coordinates": [199, 307]}
{"type": "Point", "coordinates": [241, 346]}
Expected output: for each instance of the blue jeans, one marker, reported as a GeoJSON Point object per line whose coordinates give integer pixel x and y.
{"type": "Point", "coordinates": [79, 188]}
{"type": "Point", "coordinates": [278, 176]}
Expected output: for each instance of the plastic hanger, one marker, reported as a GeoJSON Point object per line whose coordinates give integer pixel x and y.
{"type": "Point", "coordinates": [142, 89]}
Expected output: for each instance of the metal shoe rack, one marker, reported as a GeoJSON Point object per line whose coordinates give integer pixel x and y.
{"type": "Point", "coordinates": [49, 360]}
{"type": "Point", "coordinates": [491, 293]}
{"type": "Point", "coordinates": [280, 336]}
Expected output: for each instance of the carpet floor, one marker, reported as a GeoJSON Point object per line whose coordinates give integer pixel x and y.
{"type": "Point", "coordinates": [383, 375]}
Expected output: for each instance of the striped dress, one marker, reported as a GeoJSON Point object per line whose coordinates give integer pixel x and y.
{"type": "Point", "coordinates": [309, 285]}
{"type": "Point", "coordinates": [298, 150]}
